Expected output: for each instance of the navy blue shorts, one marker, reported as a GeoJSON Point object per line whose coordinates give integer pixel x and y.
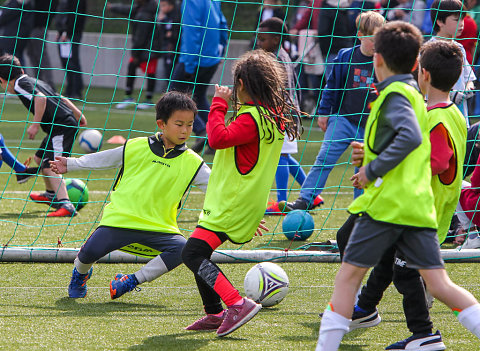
{"type": "Point", "coordinates": [107, 239]}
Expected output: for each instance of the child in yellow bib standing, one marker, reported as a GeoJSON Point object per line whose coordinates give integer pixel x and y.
{"type": "Point", "coordinates": [248, 150]}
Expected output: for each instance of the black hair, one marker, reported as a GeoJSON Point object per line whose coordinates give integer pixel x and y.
{"type": "Point", "coordinates": [441, 9]}
{"type": "Point", "coordinates": [10, 67]}
{"type": "Point", "coordinates": [444, 61]}
{"type": "Point", "coordinates": [264, 80]}
{"type": "Point", "coordinates": [275, 26]}
{"type": "Point", "coordinates": [171, 102]}
{"type": "Point", "coordinates": [399, 43]}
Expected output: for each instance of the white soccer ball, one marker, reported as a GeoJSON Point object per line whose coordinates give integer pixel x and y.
{"type": "Point", "coordinates": [266, 283]}
{"type": "Point", "coordinates": [90, 140]}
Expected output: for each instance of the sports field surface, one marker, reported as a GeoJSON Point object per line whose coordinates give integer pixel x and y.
{"type": "Point", "coordinates": [36, 313]}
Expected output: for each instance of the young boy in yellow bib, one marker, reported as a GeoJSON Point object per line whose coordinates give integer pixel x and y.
{"type": "Point", "coordinates": [158, 170]}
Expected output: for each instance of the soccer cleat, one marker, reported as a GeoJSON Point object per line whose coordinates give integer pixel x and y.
{"type": "Point", "coordinates": [238, 315]}
{"type": "Point", "coordinates": [472, 242]}
{"type": "Point", "coordinates": [123, 284]}
{"type": "Point", "coordinates": [300, 204]}
{"type": "Point", "coordinates": [78, 283]}
{"type": "Point", "coordinates": [364, 319]}
{"type": "Point", "coordinates": [66, 210]}
{"type": "Point", "coordinates": [147, 104]}
{"type": "Point", "coordinates": [273, 210]}
{"type": "Point", "coordinates": [30, 172]}
{"type": "Point", "coordinates": [420, 342]}
{"type": "Point", "coordinates": [45, 198]}
{"type": "Point", "coordinates": [208, 322]}
{"type": "Point", "coordinates": [125, 103]}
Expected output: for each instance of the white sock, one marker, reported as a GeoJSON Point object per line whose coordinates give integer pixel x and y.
{"type": "Point", "coordinates": [470, 319]}
{"type": "Point", "coordinates": [82, 268]}
{"type": "Point", "coordinates": [152, 270]}
{"type": "Point", "coordinates": [332, 329]}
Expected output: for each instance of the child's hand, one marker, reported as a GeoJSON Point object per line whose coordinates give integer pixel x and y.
{"type": "Point", "coordinates": [357, 153]}
{"type": "Point", "coordinates": [322, 122]}
{"type": "Point", "coordinates": [59, 166]}
{"type": "Point", "coordinates": [33, 130]}
{"type": "Point", "coordinates": [83, 121]}
{"type": "Point", "coordinates": [360, 179]}
{"type": "Point", "coordinates": [223, 92]}
{"type": "Point", "coordinates": [260, 228]}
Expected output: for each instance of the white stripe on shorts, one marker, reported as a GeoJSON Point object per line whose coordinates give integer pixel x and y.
{"type": "Point", "coordinates": [57, 142]}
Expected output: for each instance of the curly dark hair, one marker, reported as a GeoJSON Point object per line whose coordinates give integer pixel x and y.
{"type": "Point", "coordinates": [264, 80]}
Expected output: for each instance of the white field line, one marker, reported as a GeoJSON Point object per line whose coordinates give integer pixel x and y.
{"type": "Point", "coordinates": [182, 287]}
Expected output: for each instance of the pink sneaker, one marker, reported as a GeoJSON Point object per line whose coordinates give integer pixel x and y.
{"type": "Point", "coordinates": [273, 209]}
{"type": "Point", "coordinates": [238, 315]}
{"type": "Point", "coordinates": [209, 322]}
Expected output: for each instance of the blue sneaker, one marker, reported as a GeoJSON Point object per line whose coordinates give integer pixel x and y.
{"type": "Point", "coordinates": [78, 283]}
{"type": "Point", "coordinates": [420, 342]}
{"type": "Point", "coordinates": [123, 284]}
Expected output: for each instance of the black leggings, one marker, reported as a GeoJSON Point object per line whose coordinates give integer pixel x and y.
{"type": "Point", "coordinates": [196, 256]}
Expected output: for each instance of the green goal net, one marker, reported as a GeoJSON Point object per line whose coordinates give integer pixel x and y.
{"type": "Point", "coordinates": [86, 52]}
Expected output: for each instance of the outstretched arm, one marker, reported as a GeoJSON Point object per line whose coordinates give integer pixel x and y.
{"type": "Point", "coordinates": [107, 159]}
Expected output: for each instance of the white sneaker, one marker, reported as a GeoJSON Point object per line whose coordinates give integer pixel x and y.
{"type": "Point", "coordinates": [125, 103]}
{"type": "Point", "coordinates": [145, 105]}
{"type": "Point", "coordinates": [472, 242]}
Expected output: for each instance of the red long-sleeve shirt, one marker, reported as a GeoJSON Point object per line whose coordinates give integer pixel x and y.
{"type": "Point", "coordinates": [470, 197]}
{"type": "Point", "coordinates": [468, 38]}
{"type": "Point", "coordinates": [242, 134]}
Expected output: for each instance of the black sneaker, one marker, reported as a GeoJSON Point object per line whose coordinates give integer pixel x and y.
{"type": "Point", "coordinates": [420, 342]}
{"type": "Point", "coordinates": [364, 319]}
{"type": "Point", "coordinates": [299, 204]}
{"type": "Point", "coordinates": [30, 172]}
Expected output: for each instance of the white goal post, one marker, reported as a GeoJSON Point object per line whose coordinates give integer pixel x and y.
{"type": "Point", "coordinates": [66, 255]}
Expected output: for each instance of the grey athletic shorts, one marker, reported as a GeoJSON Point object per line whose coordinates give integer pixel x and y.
{"type": "Point", "coordinates": [370, 239]}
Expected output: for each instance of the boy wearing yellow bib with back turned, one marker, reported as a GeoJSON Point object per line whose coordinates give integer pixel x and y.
{"type": "Point", "coordinates": [397, 206]}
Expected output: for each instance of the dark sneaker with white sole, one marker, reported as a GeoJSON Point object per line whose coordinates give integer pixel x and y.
{"type": "Point", "coordinates": [364, 319]}
{"type": "Point", "coordinates": [420, 342]}
{"type": "Point", "coordinates": [28, 173]}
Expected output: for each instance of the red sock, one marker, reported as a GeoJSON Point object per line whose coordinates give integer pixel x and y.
{"type": "Point", "coordinates": [226, 291]}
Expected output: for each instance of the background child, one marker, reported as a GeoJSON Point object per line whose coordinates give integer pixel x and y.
{"type": "Point", "coordinates": [22, 171]}
{"type": "Point", "coordinates": [397, 206]}
{"type": "Point", "coordinates": [447, 16]}
{"type": "Point", "coordinates": [248, 149]}
{"type": "Point", "coordinates": [271, 33]}
{"type": "Point", "coordinates": [145, 47]}
{"type": "Point", "coordinates": [343, 109]}
{"type": "Point", "coordinates": [448, 134]}
{"type": "Point", "coordinates": [58, 117]}
{"type": "Point", "coordinates": [169, 21]}
{"type": "Point", "coordinates": [161, 168]}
